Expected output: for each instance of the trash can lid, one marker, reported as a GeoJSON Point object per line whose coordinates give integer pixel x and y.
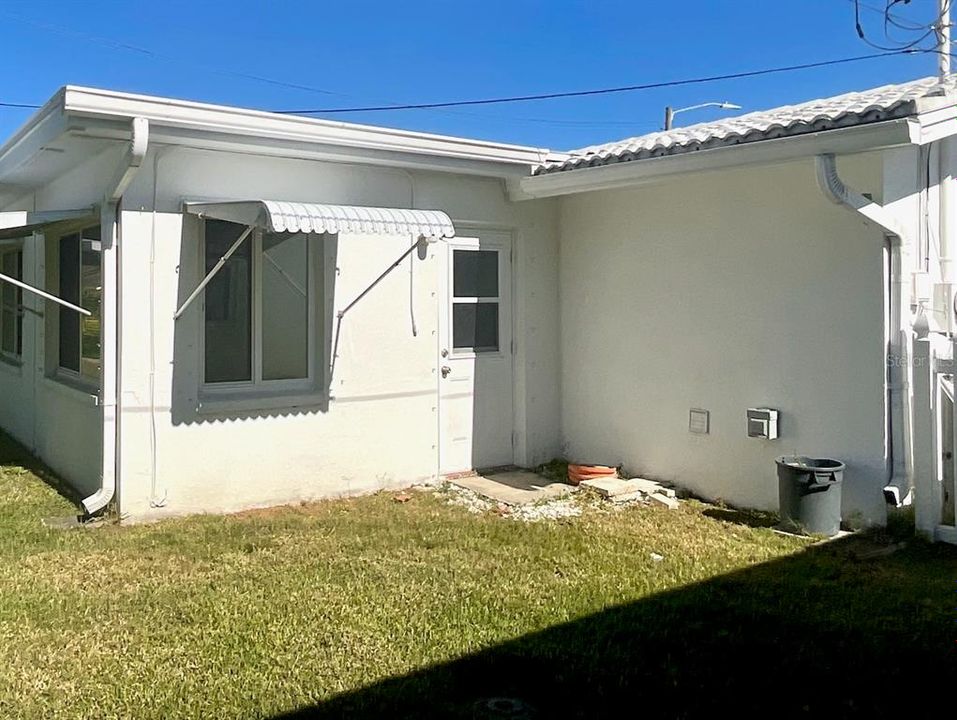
{"type": "Point", "coordinates": [808, 464]}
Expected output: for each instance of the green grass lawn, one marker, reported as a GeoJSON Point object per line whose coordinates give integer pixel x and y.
{"type": "Point", "coordinates": [373, 608]}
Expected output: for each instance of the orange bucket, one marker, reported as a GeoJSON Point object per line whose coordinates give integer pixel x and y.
{"type": "Point", "coordinates": [579, 473]}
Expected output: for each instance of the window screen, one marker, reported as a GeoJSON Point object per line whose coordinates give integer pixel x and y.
{"type": "Point", "coordinates": [285, 307]}
{"type": "Point", "coordinates": [70, 291]}
{"type": "Point", "coordinates": [228, 324]}
{"type": "Point", "coordinates": [11, 299]}
{"type": "Point", "coordinates": [475, 300]}
{"type": "Point", "coordinates": [258, 306]}
{"type": "Point", "coordinates": [91, 294]}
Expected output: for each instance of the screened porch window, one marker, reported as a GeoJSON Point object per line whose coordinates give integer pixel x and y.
{"type": "Point", "coordinates": [259, 319]}
{"type": "Point", "coordinates": [11, 305]}
{"type": "Point", "coordinates": [81, 284]}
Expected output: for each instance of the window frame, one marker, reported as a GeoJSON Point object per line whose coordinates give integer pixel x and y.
{"type": "Point", "coordinates": [257, 386]}
{"type": "Point", "coordinates": [79, 378]}
{"type": "Point", "coordinates": [472, 352]}
{"type": "Point", "coordinates": [17, 356]}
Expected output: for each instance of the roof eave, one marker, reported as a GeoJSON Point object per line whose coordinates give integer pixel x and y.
{"type": "Point", "coordinates": [860, 138]}
{"type": "Point", "coordinates": [222, 127]}
{"type": "Point", "coordinates": [43, 127]}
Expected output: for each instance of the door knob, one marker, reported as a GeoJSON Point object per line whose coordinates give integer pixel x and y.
{"type": "Point", "coordinates": [446, 370]}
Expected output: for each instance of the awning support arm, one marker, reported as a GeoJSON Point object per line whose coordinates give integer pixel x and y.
{"type": "Point", "coordinates": [44, 295]}
{"type": "Point", "coordinates": [212, 273]}
{"type": "Point", "coordinates": [347, 308]}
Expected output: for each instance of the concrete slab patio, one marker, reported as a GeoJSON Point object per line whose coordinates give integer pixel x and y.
{"type": "Point", "coordinates": [514, 487]}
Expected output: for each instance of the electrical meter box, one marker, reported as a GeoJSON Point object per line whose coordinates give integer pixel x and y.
{"type": "Point", "coordinates": [763, 423]}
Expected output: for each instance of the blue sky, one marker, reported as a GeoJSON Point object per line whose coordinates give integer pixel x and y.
{"type": "Point", "coordinates": [399, 52]}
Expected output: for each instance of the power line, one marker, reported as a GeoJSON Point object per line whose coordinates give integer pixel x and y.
{"type": "Point", "coordinates": [894, 19]}
{"type": "Point", "coordinates": [609, 91]}
{"type": "Point", "coordinates": [891, 19]}
{"type": "Point", "coordinates": [116, 45]}
{"type": "Point", "coordinates": [587, 93]}
{"type": "Point", "coordinates": [147, 52]}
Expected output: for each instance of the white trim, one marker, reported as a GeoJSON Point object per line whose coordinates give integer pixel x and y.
{"type": "Point", "coordinates": [184, 114]}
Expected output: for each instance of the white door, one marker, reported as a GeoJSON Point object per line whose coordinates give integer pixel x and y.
{"type": "Point", "coordinates": [475, 346]}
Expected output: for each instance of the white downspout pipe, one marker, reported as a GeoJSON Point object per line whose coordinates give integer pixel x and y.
{"type": "Point", "coordinates": [111, 346]}
{"type": "Point", "coordinates": [948, 226]}
{"type": "Point", "coordinates": [899, 393]}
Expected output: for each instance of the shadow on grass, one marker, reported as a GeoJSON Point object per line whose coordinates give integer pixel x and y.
{"type": "Point", "coordinates": [819, 632]}
{"type": "Point", "coordinates": [13, 453]}
{"type": "Point", "coordinates": [751, 518]}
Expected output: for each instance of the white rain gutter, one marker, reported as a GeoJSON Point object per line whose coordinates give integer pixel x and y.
{"type": "Point", "coordinates": [858, 138]}
{"type": "Point", "coordinates": [901, 481]}
{"type": "Point", "coordinates": [111, 344]}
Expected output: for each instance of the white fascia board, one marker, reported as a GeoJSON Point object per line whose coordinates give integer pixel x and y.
{"type": "Point", "coordinates": [937, 124]}
{"type": "Point", "coordinates": [43, 127]}
{"type": "Point", "coordinates": [861, 138]}
{"type": "Point", "coordinates": [256, 126]}
{"type": "Point", "coordinates": [333, 153]}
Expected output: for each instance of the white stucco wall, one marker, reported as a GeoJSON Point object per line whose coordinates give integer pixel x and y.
{"type": "Point", "coordinates": [725, 291]}
{"type": "Point", "coordinates": [379, 430]}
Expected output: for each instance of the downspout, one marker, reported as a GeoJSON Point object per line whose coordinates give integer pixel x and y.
{"type": "Point", "coordinates": [111, 345]}
{"type": "Point", "coordinates": [948, 224]}
{"type": "Point", "coordinates": [900, 403]}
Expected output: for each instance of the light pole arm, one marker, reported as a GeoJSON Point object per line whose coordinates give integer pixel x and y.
{"type": "Point", "coordinates": [670, 112]}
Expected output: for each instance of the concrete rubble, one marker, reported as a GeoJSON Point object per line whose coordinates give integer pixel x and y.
{"type": "Point", "coordinates": [620, 490]}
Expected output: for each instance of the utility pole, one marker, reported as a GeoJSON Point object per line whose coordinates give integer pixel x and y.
{"type": "Point", "coordinates": [943, 39]}
{"type": "Point", "coordinates": [670, 114]}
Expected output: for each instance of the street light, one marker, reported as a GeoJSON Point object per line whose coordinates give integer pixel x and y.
{"type": "Point", "coordinates": [670, 114]}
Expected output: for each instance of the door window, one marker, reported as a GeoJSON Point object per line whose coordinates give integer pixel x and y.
{"type": "Point", "coordinates": [475, 300]}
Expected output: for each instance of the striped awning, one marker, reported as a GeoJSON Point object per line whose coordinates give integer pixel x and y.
{"type": "Point", "coordinates": [281, 216]}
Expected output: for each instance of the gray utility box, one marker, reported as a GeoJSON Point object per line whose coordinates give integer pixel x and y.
{"type": "Point", "coordinates": [809, 492]}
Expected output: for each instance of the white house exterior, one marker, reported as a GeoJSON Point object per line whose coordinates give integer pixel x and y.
{"type": "Point", "coordinates": [543, 303]}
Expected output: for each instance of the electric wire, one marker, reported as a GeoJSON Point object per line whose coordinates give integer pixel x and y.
{"type": "Point", "coordinates": [611, 90]}
{"type": "Point", "coordinates": [927, 30]}
{"type": "Point", "coordinates": [591, 92]}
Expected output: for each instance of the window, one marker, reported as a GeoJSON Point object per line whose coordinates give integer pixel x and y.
{"type": "Point", "coordinates": [259, 316]}
{"type": "Point", "coordinates": [11, 305]}
{"type": "Point", "coordinates": [475, 300]}
{"type": "Point", "coordinates": [81, 284]}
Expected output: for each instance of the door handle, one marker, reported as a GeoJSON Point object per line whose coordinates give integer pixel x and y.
{"type": "Point", "coordinates": [446, 370]}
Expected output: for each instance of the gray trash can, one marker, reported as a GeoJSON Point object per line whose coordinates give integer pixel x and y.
{"type": "Point", "coordinates": [809, 491]}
